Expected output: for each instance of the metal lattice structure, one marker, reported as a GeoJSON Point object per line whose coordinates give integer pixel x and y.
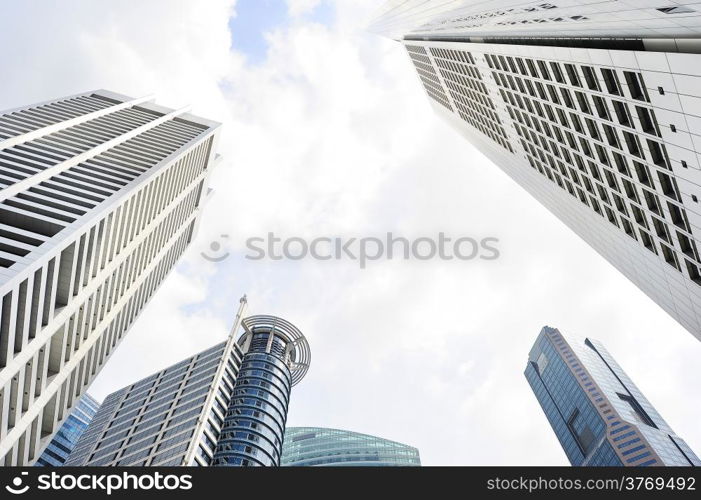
{"type": "Point", "coordinates": [298, 354]}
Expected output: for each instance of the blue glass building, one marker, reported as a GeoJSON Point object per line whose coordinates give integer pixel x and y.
{"type": "Point", "coordinates": [599, 416]}
{"type": "Point", "coordinates": [321, 447]}
{"type": "Point", "coordinates": [276, 356]}
{"type": "Point", "coordinates": [65, 439]}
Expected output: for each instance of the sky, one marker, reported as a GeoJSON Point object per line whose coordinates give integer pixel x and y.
{"type": "Point", "coordinates": [327, 132]}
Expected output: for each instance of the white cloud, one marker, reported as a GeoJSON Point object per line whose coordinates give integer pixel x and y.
{"type": "Point", "coordinates": [332, 135]}
{"type": "Point", "coordinates": [300, 7]}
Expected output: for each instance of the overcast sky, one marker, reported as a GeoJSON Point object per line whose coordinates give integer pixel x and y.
{"type": "Point", "coordinates": [327, 132]}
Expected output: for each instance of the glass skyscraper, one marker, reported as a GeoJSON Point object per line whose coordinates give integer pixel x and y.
{"type": "Point", "coordinates": [276, 357]}
{"type": "Point", "coordinates": [169, 418]}
{"type": "Point", "coordinates": [591, 107]}
{"type": "Point", "coordinates": [321, 447]}
{"type": "Point", "coordinates": [65, 439]}
{"type": "Point", "coordinates": [598, 414]}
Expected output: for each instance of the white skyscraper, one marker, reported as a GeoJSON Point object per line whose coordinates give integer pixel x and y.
{"type": "Point", "coordinates": [594, 107]}
{"type": "Point", "coordinates": [100, 195]}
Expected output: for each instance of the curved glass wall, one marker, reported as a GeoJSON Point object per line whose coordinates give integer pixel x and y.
{"type": "Point", "coordinates": [316, 446]}
{"type": "Point", "coordinates": [254, 426]}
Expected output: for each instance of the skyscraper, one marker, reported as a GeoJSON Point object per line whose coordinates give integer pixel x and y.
{"type": "Point", "coordinates": [172, 417]}
{"type": "Point", "coordinates": [598, 414]}
{"type": "Point", "coordinates": [101, 194]}
{"type": "Point", "coordinates": [65, 439]}
{"type": "Point", "coordinates": [224, 406]}
{"type": "Point", "coordinates": [321, 447]}
{"type": "Point", "coordinates": [276, 357]}
{"type": "Point", "coordinates": [592, 107]}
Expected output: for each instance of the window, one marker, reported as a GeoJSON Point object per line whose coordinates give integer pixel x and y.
{"type": "Point", "coordinates": [556, 72]}
{"type": "Point", "coordinates": [628, 227]}
{"type": "Point", "coordinates": [676, 10]}
{"type": "Point", "coordinates": [651, 201]}
{"type": "Point", "coordinates": [590, 78]}
{"type": "Point", "coordinates": [567, 98]}
{"type": "Point", "coordinates": [638, 410]}
{"type": "Point", "coordinates": [687, 246]}
{"type": "Point", "coordinates": [693, 272]}
{"type": "Point", "coordinates": [601, 108]}
{"type": "Point", "coordinates": [633, 145]}
{"type": "Point", "coordinates": [621, 113]}
{"type": "Point", "coordinates": [670, 257]}
{"type": "Point", "coordinates": [677, 216]}
{"type": "Point", "coordinates": [660, 229]}
{"type": "Point", "coordinates": [646, 122]}
{"type": "Point", "coordinates": [657, 153]}
{"type": "Point", "coordinates": [636, 90]}
{"type": "Point", "coordinates": [621, 163]}
{"type": "Point", "coordinates": [643, 173]}
{"type": "Point", "coordinates": [647, 241]}
{"type": "Point", "coordinates": [611, 136]}
{"type": "Point", "coordinates": [668, 185]}
{"type": "Point", "coordinates": [584, 436]}
{"type": "Point", "coordinates": [542, 362]}
{"type": "Point", "coordinates": [583, 104]}
{"type": "Point", "coordinates": [639, 216]}
{"type": "Point", "coordinates": [572, 74]}
{"type": "Point", "coordinates": [611, 81]}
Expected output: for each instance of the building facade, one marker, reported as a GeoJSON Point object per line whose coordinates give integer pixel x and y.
{"type": "Point", "coordinates": [598, 414]}
{"type": "Point", "coordinates": [224, 406]}
{"type": "Point", "coordinates": [65, 439]}
{"type": "Point", "coordinates": [592, 107]}
{"type": "Point", "coordinates": [322, 447]}
{"type": "Point", "coordinates": [677, 24]}
{"type": "Point", "coordinates": [100, 194]}
{"type": "Point", "coordinates": [170, 418]}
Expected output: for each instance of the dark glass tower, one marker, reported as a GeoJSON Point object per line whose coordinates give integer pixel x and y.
{"type": "Point", "coordinates": [276, 357]}
{"type": "Point", "coordinates": [599, 415]}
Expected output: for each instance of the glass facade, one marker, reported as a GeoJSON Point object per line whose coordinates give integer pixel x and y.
{"type": "Point", "coordinates": [276, 357]}
{"type": "Point", "coordinates": [599, 416]}
{"type": "Point", "coordinates": [254, 427]}
{"type": "Point", "coordinates": [321, 447]}
{"type": "Point", "coordinates": [157, 420]}
{"type": "Point", "coordinates": [68, 434]}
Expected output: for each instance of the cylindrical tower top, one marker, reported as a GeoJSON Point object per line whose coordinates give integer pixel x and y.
{"type": "Point", "coordinates": [280, 338]}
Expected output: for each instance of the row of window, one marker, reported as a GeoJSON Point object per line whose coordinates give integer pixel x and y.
{"type": "Point", "coordinates": [616, 191]}
{"type": "Point", "coordinates": [470, 95]}
{"type": "Point", "coordinates": [27, 120]}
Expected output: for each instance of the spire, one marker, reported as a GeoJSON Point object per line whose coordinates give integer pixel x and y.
{"type": "Point", "coordinates": [243, 304]}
